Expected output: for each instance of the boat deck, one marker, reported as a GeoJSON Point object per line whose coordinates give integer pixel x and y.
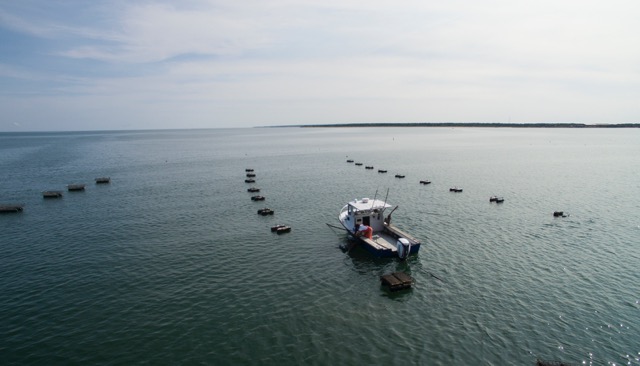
{"type": "Point", "coordinates": [387, 239]}
{"type": "Point", "coordinates": [402, 234]}
{"type": "Point", "coordinates": [382, 241]}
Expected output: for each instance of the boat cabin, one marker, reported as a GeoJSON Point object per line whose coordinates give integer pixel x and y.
{"type": "Point", "coordinates": [364, 212]}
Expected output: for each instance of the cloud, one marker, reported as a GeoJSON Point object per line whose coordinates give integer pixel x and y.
{"type": "Point", "coordinates": [52, 28]}
{"type": "Point", "coordinates": [495, 30]}
{"type": "Point", "coordinates": [295, 60]}
{"type": "Point", "coordinates": [153, 32]}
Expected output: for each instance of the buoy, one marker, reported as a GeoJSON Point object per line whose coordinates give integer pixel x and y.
{"type": "Point", "coordinates": [51, 194]}
{"type": "Point", "coordinates": [11, 208]}
{"type": "Point", "coordinates": [280, 229]}
{"type": "Point", "coordinates": [75, 187]}
{"type": "Point", "coordinates": [396, 281]}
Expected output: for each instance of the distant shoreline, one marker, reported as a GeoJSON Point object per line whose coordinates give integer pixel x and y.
{"type": "Point", "coordinates": [478, 124]}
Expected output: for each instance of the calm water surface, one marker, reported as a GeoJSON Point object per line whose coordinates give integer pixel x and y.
{"type": "Point", "coordinates": [170, 264]}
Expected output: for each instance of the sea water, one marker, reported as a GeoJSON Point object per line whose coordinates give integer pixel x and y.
{"type": "Point", "coordinates": [170, 263]}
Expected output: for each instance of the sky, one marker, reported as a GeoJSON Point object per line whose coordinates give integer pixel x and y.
{"type": "Point", "coordinates": [70, 65]}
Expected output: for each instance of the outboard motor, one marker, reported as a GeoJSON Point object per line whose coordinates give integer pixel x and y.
{"type": "Point", "coordinates": [404, 247]}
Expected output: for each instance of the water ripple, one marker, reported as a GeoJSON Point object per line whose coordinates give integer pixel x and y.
{"type": "Point", "coordinates": [171, 264]}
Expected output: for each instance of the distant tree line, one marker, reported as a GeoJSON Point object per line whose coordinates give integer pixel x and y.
{"type": "Point", "coordinates": [480, 124]}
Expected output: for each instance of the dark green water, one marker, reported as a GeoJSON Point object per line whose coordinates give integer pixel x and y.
{"type": "Point", "coordinates": [170, 264]}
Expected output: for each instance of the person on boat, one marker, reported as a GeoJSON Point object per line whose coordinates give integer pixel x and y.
{"type": "Point", "coordinates": [366, 231]}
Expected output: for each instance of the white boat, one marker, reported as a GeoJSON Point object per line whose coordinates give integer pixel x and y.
{"type": "Point", "coordinates": [386, 239]}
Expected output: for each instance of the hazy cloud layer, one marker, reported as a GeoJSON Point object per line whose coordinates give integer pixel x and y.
{"type": "Point", "coordinates": [154, 64]}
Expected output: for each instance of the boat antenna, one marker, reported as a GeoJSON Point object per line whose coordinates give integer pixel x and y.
{"type": "Point", "coordinates": [374, 199]}
{"type": "Point", "coordinates": [385, 200]}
